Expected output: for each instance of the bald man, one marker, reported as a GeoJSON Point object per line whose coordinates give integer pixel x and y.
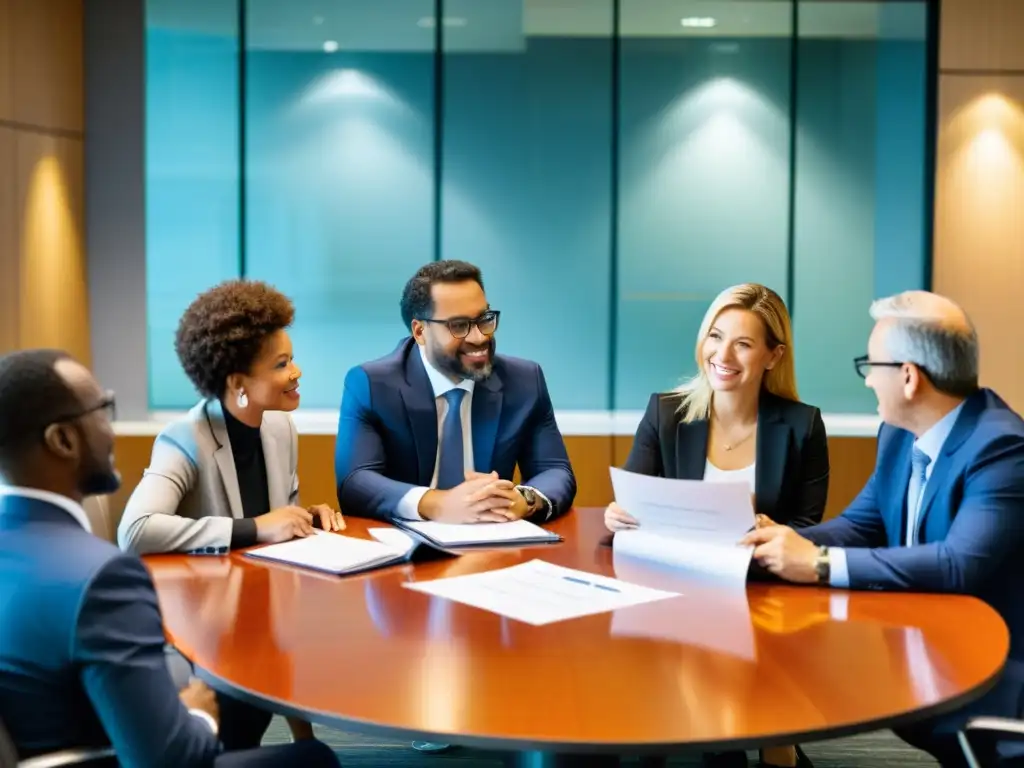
{"type": "Point", "coordinates": [944, 509]}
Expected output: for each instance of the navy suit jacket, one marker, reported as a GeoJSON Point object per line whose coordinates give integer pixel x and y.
{"type": "Point", "coordinates": [971, 523]}
{"type": "Point", "coordinates": [82, 646]}
{"type": "Point", "coordinates": [387, 432]}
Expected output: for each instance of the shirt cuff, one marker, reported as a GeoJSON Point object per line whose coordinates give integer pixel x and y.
{"type": "Point", "coordinates": [839, 574]}
{"type": "Point", "coordinates": [548, 507]}
{"type": "Point", "coordinates": [408, 507]}
{"type": "Point", "coordinates": [206, 718]}
{"type": "Point", "coordinates": [243, 533]}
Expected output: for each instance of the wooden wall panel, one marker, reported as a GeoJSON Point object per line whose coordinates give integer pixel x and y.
{"type": "Point", "coordinates": [43, 296]}
{"type": "Point", "coordinates": [982, 35]}
{"type": "Point", "coordinates": [979, 217]}
{"type": "Point", "coordinates": [6, 63]}
{"type": "Point", "coordinates": [54, 308]}
{"type": "Point", "coordinates": [9, 272]}
{"type": "Point", "coordinates": [47, 45]}
{"type": "Point", "coordinates": [852, 459]}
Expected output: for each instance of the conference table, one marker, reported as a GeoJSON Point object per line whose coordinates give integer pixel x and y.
{"type": "Point", "coordinates": [713, 668]}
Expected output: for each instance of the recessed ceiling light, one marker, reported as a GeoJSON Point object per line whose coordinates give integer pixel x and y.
{"type": "Point", "coordinates": [318, 20]}
{"type": "Point", "coordinates": [427, 22]}
{"type": "Point", "coordinates": [699, 22]}
{"type": "Point", "coordinates": [330, 46]}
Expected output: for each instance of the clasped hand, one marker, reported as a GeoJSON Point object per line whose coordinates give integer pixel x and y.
{"type": "Point", "coordinates": [481, 498]}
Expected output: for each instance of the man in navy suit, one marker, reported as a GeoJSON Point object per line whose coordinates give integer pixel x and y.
{"type": "Point", "coordinates": [944, 509]}
{"type": "Point", "coordinates": [82, 660]}
{"type": "Point", "coordinates": [435, 430]}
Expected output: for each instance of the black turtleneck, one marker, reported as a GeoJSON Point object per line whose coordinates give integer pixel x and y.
{"type": "Point", "coordinates": [251, 469]}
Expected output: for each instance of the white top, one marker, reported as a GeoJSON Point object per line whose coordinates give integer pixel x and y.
{"type": "Point", "coordinates": [713, 474]}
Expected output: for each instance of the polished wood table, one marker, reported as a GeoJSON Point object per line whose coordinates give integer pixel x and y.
{"type": "Point", "coordinates": [709, 669]}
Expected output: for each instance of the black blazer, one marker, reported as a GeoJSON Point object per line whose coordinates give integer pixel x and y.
{"type": "Point", "coordinates": [791, 477]}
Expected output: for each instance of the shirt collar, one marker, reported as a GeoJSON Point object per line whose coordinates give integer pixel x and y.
{"type": "Point", "coordinates": [55, 499]}
{"type": "Point", "coordinates": [931, 442]}
{"type": "Point", "coordinates": [441, 383]}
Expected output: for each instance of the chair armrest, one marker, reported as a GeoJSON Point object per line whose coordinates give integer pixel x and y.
{"type": "Point", "coordinates": [980, 735]}
{"type": "Point", "coordinates": [67, 757]}
{"type": "Point", "coordinates": [1003, 726]}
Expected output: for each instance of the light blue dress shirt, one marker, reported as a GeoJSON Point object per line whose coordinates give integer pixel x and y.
{"type": "Point", "coordinates": [930, 443]}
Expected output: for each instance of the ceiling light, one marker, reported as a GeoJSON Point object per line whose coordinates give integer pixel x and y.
{"type": "Point", "coordinates": [318, 20]}
{"type": "Point", "coordinates": [698, 22]}
{"type": "Point", "coordinates": [330, 46]}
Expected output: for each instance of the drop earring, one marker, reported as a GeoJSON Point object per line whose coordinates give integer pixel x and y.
{"type": "Point", "coordinates": [243, 399]}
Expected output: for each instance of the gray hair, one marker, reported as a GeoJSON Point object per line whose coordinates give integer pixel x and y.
{"type": "Point", "coordinates": [925, 334]}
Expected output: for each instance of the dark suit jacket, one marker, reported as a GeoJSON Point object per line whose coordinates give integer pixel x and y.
{"type": "Point", "coordinates": [791, 476]}
{"type": "Point", "coordinates": [387, 432]}
{"type": "Point", "coordinates": [82, 646]}
{"type": "Point", "coordinates": [971, 528]}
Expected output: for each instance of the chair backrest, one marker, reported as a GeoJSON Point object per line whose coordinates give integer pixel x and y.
{"type": "Point", "coordinates": [97, 509]}
{"type": "Point", "coordinates": [8, 754]}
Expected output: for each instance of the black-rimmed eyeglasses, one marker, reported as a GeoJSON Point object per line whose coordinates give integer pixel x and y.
{"type": "Point", "coordinates": [108, 404]}
{"type": "Point", "coordinates": [864, 364]}
{"type": "Point", "coordinates": [459, 327]}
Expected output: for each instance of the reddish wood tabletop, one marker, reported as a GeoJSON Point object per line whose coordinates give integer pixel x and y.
{"type": "Point", "coordinates": [710, 668]}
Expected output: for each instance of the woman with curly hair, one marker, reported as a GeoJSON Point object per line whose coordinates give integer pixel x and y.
{"type": "Point", "coordinates": [225, 475]}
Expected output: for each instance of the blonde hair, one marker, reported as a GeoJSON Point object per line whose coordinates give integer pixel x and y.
{"type": "Point", "coordinates": [780, 380]}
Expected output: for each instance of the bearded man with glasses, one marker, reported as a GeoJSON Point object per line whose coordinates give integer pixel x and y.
{"type": "Point", "coordinates": [435, 429]}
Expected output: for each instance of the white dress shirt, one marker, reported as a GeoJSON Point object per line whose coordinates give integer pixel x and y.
{"type": "Point", "coordinates": [408, 506]}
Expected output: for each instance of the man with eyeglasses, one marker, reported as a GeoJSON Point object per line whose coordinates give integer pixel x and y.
{"type": "Point", "coordinates": [435, 430]}
{"type": "Point", "coordinates": [944, 509]}
{"type": "Point", "coordinates": [82, 662]}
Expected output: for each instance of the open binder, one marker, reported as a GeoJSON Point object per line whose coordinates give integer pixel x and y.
{"type": "Point", "coordinates": [346, 555]}
{"type": "Point", "coordinates": [478, 535]}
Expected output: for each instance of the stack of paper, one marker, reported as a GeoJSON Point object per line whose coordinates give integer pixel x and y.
{"type": "Point", "coordinates": [334, 553]}
{"type": "Point", "coordinates": [480, 534]}
{"type": "Point", "coordinates": [689, 524]}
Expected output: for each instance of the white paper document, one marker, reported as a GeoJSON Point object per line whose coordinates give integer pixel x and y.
{"type": "Point", "coordinates": [538, 592]}
{"type": "Point", "coordinates": [481, 534]}
{"type": "Point", "coordinates": [334, 553]}
{"type": "Point", "coordinates": [689, 524]}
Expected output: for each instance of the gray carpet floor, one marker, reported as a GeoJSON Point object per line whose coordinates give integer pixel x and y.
{"type": "Point", "coordinates": [871, 750]}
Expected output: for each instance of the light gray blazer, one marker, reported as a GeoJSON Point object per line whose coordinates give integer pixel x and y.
{"type": "Point", "coordinates": [188, 498]}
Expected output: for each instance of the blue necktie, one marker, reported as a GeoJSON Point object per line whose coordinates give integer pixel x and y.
{"type": "Point", "coordinates": [451, 469]}
{"type": "Point", "coordinates": [919, 461]}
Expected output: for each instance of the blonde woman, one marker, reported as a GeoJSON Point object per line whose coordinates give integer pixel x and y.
{"type": "Point", "coordinates": [740, 418]}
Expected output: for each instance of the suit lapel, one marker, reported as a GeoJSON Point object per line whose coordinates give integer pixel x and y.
{"type": "Point", "coordinates": [770, 456]}
{"type": "Point", "coordinates": [277, 491]}
{"type": "Point", "coordinates": [897, 533]}
{"type": "Point", "coordinates": [691, 449]}
{"type": "Point", "coordinates": [418, 397]}
{"type": "Point", "coordinates": [224, 457]}
{"type": "Point", "coordinates": [962, 428]}
{"type": "Point", "coordinates": [486, 414]}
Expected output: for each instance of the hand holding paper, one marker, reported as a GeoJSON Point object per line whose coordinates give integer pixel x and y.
{"type": "Point", "coordinates": [687, 524]}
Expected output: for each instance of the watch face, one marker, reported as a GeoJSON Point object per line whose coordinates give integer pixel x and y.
{"type": "Point", "coordinates": [529, 495]}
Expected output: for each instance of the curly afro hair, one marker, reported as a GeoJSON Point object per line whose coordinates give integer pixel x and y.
{"type": "Point", "coordinates": [223, 331]}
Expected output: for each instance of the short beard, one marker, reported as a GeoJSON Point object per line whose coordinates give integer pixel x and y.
{"type": "Point", "coordinates": [451, 365]}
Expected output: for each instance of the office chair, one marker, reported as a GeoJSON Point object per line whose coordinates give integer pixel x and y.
{"type": "Point", "coordinates": [978, 739]}
{"type": "Point", "coordinates": [81, 757]}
